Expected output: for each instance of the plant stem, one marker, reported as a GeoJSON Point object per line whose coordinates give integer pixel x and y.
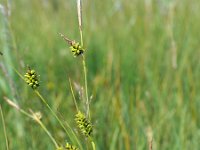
{"type": "Point", "coordinates": [53, 113]}
{"type": "Point", "coordinates": [46, 130]}
{"type": "Point", "coordinates": [60, 122]}
{"type": "Point", "coordinates": [33, 116]}
{"type": "Point", "coordinates": [79, 12]}
{"type": "Point", "coordinates": [86, 87]}
{"type": "Point", "coordinates": [4, 129]}
{"type": "Point", "coordinates": [72, 91]}
{"type": "Point", "coordinates": [41, 124]}
{"type": "Point", "coordinates": [92, 143]}
{"type": "Point", "coordinates": [81, 35]}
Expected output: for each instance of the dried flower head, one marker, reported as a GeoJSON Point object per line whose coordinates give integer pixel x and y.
{"type": "Point", "coordinates": [75, 47]}
{"type": "Point", "coordinates": [83, 124]}
{"type": "Point", "coordinates": [31, 78]}
{"type": "Point", "coordinates": [37, 115]}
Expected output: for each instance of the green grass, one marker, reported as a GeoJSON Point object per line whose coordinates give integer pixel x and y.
{"type": "Point", "coordinates": [135, 89]}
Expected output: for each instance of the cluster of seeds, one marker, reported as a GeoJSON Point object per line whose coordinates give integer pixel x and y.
{"type": "Point", "coordinates": [67, 147]}
{"type": "Point", "coordinates": [76, 49]}
{"type": "Point", "coordinates": [31, 78]}
{"type": "Point", "coordinates": [83, 124]}
{"type": "Point", "coordinates": [70, 147]}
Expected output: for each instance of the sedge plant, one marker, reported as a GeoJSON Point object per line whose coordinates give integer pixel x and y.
{"type": "Point", "coordinates": [82, 120]}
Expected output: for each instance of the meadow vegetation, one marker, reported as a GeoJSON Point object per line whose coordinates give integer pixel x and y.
{"type": "Point", "coordinates": [142, 64]}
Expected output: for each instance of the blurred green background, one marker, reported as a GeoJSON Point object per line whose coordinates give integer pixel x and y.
{"type": "Point", "coordinates": [143, 71]}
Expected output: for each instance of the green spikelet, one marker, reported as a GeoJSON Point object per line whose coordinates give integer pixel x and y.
{"type": "Point", "coordinates": [76, 49]}
{"type": "Point", "coordinates": [60, 148]}
{"type": "Point", "coordinates": [67, 147]}
{"type": "Point", "coordinates": [70, 147]}
{"type": "Point", "coordinates": [31, 78]}
{"type": "Point", "coordinates": [83, 124]}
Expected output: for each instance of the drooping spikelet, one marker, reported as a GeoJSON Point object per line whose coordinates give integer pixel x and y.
{"type": "Point", "coordinates": [31, 78]}
{"type": "Point", "coordinates": [83, 124]}
{"type": "Point", "coordinates": [75, 47]}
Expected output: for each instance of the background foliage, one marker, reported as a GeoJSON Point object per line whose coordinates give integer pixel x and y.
{"type": "Point", "coordinates": [133, 49]}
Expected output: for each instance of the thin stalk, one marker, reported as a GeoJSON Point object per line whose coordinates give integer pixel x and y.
{"type": "Point", "coordinates": [4, 129]}
{"type": "Point", "coordinates": [34, 117]}
{"type": "Point", "coordinates": [53, 113]}
{"type": "Point", "coordinates": [42, 125]}
{"type": "Point", "coordinates": [79, 12]}
{"type": "Point", "coordinates": [60, 122]}
{"type": "Point", "coordinates": [48, 133]}
{"type": "Point", "coordinates": [66, 123]}
{"type": "Point", "coordinates": [86, 87]}
{"type": "Point", "coordinates": [75, 102]}
{"type": "Point", "coordinates": [19, 74]}
{"type": "Point", "coordinates": [81, 35]}
{"type": "Point", "coordinates": [45, 129]}
{"type": "Point", "coordinates": [11, 33]}
{"type": "Point", "coordinates": [92, 143]}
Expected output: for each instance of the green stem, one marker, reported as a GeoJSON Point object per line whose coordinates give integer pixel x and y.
{"type": "Point", "coordinates": [33, 116]}
{"type": "Point", "coordinates": [46, 130]}
{"type": "Point", "coordinates": [41, 124]}
{"type": "Point", "coordinates": [74, 98]}
{"type": "Point", "coordinates": [60, 122]}
{"type": "Point", "coordinates": [92, 143]}
{"type": "Point", "coordinates": [79, 10]}
{"type": "Point", "coordinates": [81, 35]}
{"type": "Point", "coordinates": [53, 113]}
{"type": "Point", "coordinates": [86, 87]}
{"type": "Point", "coordinates": [4, 129]}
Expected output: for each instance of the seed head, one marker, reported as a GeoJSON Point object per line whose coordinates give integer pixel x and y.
{"type": "Point", "coordinates": [59, 148]}
{"type": "Point", "coordinates": [70, 147]}
{"type": "Point", "coordinates": [31, 78]}
{"type": "Point", "coordinates": [67, 147]}
{"type": "Point", "coordinates": [75, 47]}
{"type": "Point", "coordinates": [83, 124]}
{"type": "Point", "coordinates": [37, 115]}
